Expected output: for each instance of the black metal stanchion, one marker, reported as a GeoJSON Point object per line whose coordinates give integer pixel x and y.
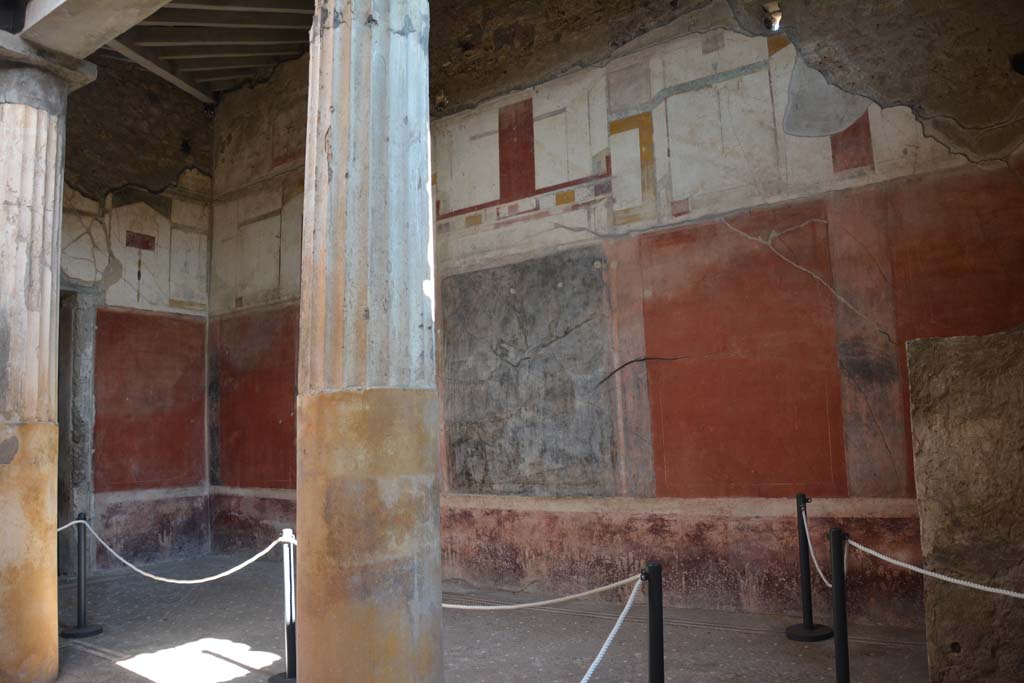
{"type": "Point", "coordinates": [806, 631]}
{"type": "Point", "coordinates": [82, 629]}
{"type": "Point", "coordinates": [837, 545]}
{"type": "Point", "coordinates": [288, 558]}
{"type": "Point", "coordinates": [655, 623]}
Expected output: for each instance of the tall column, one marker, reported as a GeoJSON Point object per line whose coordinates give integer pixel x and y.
{"type": "Point", "coordinates": [32, 104]}
{"type": "Point", "coordinates": [369, 569]}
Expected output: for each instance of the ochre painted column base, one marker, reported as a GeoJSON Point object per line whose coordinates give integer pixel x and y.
{"type": "Point", "coordinates": [369, 566]}
{"type": "Point", "coordinates": [28, 561]}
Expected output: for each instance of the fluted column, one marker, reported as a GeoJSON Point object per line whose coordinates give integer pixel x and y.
{"type": "Point", "coordinates": [32, 105]}
{"type": "Point", "coordinates": [369, 583]}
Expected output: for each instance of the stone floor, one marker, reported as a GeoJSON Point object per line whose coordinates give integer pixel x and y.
{"type": "Point", "coordinates": [231, 631]}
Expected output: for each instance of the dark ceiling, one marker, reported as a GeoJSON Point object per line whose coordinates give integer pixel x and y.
{"type": "Point", "coordinates": [219, 45]}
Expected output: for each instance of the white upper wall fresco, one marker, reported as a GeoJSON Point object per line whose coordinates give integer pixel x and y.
{"type": "Point", "coordinates": [697, 126]}
{"type": "Point", "coordinates": [139, 249]}
{"type": "Point", "coordinates": [259, 156]}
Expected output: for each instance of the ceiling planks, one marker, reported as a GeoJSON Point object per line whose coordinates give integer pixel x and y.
{"type": "Point", "coordinates": [207, 47]}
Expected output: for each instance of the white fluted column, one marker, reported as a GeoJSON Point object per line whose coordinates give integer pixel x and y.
{"type": "Point", "coordinates": [32, 108]}
{"type": "Point", "coordinates": [369, 583]}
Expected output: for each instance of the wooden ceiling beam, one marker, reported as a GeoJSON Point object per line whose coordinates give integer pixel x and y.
{"type": "Point", "coordinates": [280, 52]}
{"type": "Point", "coordinates": [179, 17]}
{"type": "Point", "coordinates": [154, 64]}
{"type": "Point", "coordinates": [227, 75]}
{"type": "Point", "coordinates": [200, 66]}
{"type": "Point", "coordinates": [165, 36]}
{"type": "Point", "coordinates": [78, 28]}
{"type": "Point", "coordinates": [267, 6]}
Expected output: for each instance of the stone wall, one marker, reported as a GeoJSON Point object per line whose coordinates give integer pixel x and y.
{"type": "Point", "coordinates": [967, 397]}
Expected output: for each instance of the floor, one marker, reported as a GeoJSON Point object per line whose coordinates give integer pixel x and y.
{"type": "Point", "coordinates": [231, 630]}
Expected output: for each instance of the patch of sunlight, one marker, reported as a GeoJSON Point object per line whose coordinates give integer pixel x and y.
{"type": "Point", "coordinates": [207, 660]}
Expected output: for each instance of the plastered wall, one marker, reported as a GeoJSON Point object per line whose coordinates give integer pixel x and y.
{"type": "Point", "coordinates": [134, 274]}
{"type": "Point", "coordinates": [700, 125]}
{"type": "Point", "coordinates": [138, 249]}
{"type": "Point", "coordinates": [771, 243]}
{"type": "Point", "coordinates": [686, 274]}
{"type": "Point", "coordinates": [259, 154]}
{"type": "Point", "coordinates": [755, 328]}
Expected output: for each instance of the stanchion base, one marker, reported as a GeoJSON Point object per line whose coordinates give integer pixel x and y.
{"type": "Point", "coordinates": [809, 634]}
{"type": "Point", "coordinates": [87, 631]}
{"type": "Point", "coordinates": [280, 678]}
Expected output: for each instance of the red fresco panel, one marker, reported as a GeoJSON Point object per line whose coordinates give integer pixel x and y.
{"type": "Point", "coordinates": [749, 404]}
{"type": "Point", "coordinates": [256, 365]}
{"type": "Point", "coordinates": [874, 423]}
{"type": "Point", "coordinates": [851, 148]}
{"type": "Point", "coordinates": [515, 151]}
{"type": "Point", "coordinates": [150, 388]}
{"type": "Point", "coordinates": [958, 253]}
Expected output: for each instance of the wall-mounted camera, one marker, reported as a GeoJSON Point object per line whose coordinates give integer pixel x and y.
{"type": "Point", "coordinates": [772, 16]}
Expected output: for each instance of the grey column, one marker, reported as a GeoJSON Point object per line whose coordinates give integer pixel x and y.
{"type": "Point", "coordinates": [368, 501]}
{"type": "Point", "coordinates": [32, 105]}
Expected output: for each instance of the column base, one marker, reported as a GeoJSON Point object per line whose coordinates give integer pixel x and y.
{"type": "Point", "coordinates": [28, 552]}
{"type": "Point", "coordinates": [369, 553]}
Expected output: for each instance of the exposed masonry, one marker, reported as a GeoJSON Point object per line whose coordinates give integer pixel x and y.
{"type": "Point", "coordinates": [130, 128]}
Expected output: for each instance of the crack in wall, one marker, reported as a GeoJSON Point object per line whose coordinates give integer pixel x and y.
{"type": "Point", "coordinates": [640, 359]}
{"type": "Point", "coordinates": [529, 350]}
{"type": "Point", "coordinates": [768, 243]}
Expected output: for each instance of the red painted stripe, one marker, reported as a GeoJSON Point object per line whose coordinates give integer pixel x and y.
{"type": "Point", "coordinates": [517, 171]}
{"type": "Point", "coordinates": [539, 191]}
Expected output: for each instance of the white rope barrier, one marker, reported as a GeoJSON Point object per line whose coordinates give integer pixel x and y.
{"type": "Point", "coordinates": [614, 632]}
{"type": "Point", "coordinates": [164, 579]}
{"type": "Point", "coordinates": [289, 539]}
{"type": "Point", "coordinates": [544, 603]}
{"type": "Point", "coordinates": [935, 575]}
{"type": "Point", "coordinates": [810, 546]}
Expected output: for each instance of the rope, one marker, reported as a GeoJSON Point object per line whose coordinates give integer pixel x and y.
{"type": "Point", "coordinates": [611, 636]}
{"type": "Point", "coordinates": [810, 546]}
{"type": "Point", "coordinates": [164, 579]}
{"type": "Point", "coordinates": [542, 603]}
{"type": "Point", "coordinates": [936, 575]}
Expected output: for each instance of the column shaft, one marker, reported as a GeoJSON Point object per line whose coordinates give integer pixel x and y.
{"type": "Point", "coordinates": [369, 577]}
{"type": "Point", "coordinates": [31, 178]}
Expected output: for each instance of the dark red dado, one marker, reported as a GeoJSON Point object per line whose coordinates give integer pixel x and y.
{"type": "Point", "coordinates": [736, 555]}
